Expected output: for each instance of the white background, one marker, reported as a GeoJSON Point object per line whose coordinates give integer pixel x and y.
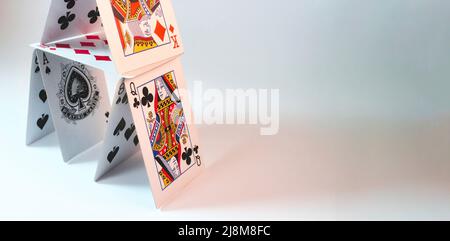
{"type": "Point", "coordinates": [365, 123]}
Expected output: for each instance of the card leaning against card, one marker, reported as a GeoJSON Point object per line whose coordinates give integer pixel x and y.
{"type": "Point", "coordinates": [142, 34]}
{"type": "Point", "coordinates": [118, 87]}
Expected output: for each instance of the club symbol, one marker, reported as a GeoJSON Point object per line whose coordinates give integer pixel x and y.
{"type": "Point", "coordinates": [148, 97]}
{"type": "Point", "coordinates": [70, 3]}
{"type": "Point", "coordinates": [93, 15]}
{"type": "Point", "coordinates": [187, 155]}
{"type": "Point", "coordinates": [136, 103]}
{"type": "Point", "coordinates": [66, 19]}
{"type": "Point", "coordinates": [196, 149]}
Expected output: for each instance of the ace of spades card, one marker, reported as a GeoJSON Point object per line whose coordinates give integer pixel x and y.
{"type": "Point", "coordinates": [39, 119]}
{"type": "Point", "coordinates": [71, 79]}
{"type": "Point", "coordinates": [76, 98]}
{"type": "Point", "coordinates": [111, 76]}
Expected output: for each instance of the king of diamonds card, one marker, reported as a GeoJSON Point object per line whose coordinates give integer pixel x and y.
{"type": "Point", "coordinates": [140, 24]}
{"type": "Point", "coordinates": [142, 34]}
{"type": "Point", "coordinates": [169, 144]}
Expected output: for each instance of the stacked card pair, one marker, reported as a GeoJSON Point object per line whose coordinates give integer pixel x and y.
{"type": "Point", "coordinates": [108, 73]}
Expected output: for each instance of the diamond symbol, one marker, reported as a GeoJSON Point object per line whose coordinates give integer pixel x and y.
{"type": "Point", "coordinates": [171, 28]}
{"type": "Point", "coordinates": [160, 31]}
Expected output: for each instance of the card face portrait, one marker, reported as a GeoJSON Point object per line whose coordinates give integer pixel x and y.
{"type": "Point", "coordinates": [140, 32]}
{"type": "Point", "coordinates": [168, 143]}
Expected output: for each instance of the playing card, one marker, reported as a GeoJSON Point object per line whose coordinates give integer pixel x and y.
{"type": "Point", "coordinates": [141, 33]}
{"type": "Point", "coordinates": [169, 144]}
{"type": "Point", "coordinates": [121, 140]}
{"type": "Point", "coordinates": [39, 122]}
{"type": "Point", "coordinates": [78, 100]}
{"type": "Point", "coordinates": [69, 18]}
{"type": "Point", "coordinates": [92, 50]}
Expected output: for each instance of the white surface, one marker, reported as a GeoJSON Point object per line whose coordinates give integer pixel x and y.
{"type": "Point", "coordinates": [365, 129]}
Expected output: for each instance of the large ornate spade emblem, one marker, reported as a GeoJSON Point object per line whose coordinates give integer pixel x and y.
{"type": "Point", "coordinates": [78, 94]}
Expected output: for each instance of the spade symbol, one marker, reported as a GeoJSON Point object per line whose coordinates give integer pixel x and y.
{"type": "Point", "coordinates": [123, 100]}
{"type": "Point", "coordinates": [112, 154]}
{"type": "Point", "coordinates": [41, 122]}
{"type": "Point", "coordinates": [120, 127]}
{"type": "Point", "coordinates": [187, 155]}
{"type": "Point", "coordinates": [43, 96]}
{"type": "Point", "coordinates": [37, 65]}
{"type": "Point", "coordinates": [78, 89]}
{"type": "Point", "coordinates": [130, 132]}
{"type": "Point", "coordinates": [45, 63]}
